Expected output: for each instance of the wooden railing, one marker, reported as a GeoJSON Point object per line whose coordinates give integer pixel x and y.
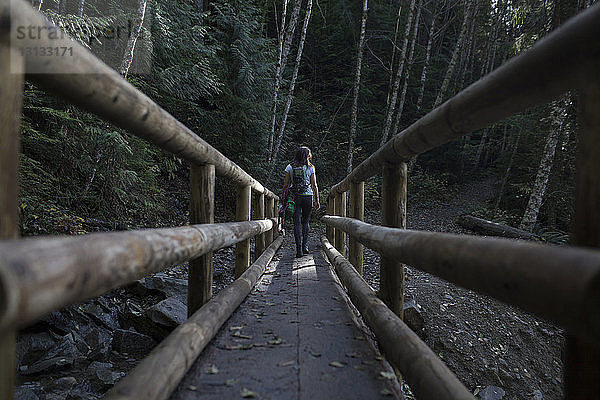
{"type": "Point", "coordinates": [560, 284]}
{"type": "Point", "coordinates": [43, 274]}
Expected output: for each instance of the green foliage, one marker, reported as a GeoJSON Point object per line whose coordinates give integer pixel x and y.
{"type": "Point", "coordinates": [75, 166]}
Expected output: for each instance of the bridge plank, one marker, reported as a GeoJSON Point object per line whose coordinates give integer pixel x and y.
{"type": "Point", "coordinates": [298, 324]}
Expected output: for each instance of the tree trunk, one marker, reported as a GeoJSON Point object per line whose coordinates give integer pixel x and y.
{"type": "Point", "coordinates": [286, 37]}
{"type": "Point", "coordinates": [354, 117]}
{"type": "Point", "coordinates": [507, 173]}
{"type": "Point", "coordinates": [394, 46]}
{"type": "Point", "coordinates": [290, 96]}
{"type": "Point", "coordinates": [543, 174]}
{"type": "Point", "coordinates": [480, 147]}
{"type": "Point", "coordinates": [468, 55]}
{"type": "Point", "coordinates": [427, 56]}
{"type": "Point", "coordinates": [280, 39]}
{"type": "Point", "coordinates": [128, 56]}
{"type": "Point", "coordinates": [457, 48]}
{"type": "Point", "coordinates": [396, 88]}
{"type": "Point", "coordinates": [411, 54]}
{"type": "Point", "coordinates": [81, 6]}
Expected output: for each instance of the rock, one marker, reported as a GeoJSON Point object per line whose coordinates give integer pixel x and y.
{"type": "Point", "coordinates": [169, 312]}
{"type": "Point", "coordinates": [141, 322]}
{"type": "Point", "coordinates": [102, 376]}
{"type": "Point", "coordinates": [31, 347]}
{"type": "Point", "coordinates": [413, 317]}
{"type": "Point", "coordinates": [67, 320]}
{"type": "Point", "coordinates": [106, 317]}
{"type": "Point", "coordinates": [171, 287]}
{"type": "Point", "coordinates": [100, 341]}
{"type": "Point", "coordinates": [60, 357]}
{"type": "Point", "coordinates": [491, 393]}
{"type": "Point", "coordinates": [25, 393]}
{"type": "Point", "coordinates": [60, 389]}
{"type": "Point", "coordinates": [537, 395]}
{"type": "Point", "coordinates": [132, 343]}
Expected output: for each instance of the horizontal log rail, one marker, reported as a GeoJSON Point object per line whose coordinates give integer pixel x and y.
{"type": "Point", "coordinates": [89, 83]}
{"type": "Point", "coordinates": [40, 275]}
{"type": "Point", "coordinates": [429, 378]}
{"type": "Point", "coordinates": [159, 374]}
{"type": "Point", "coordinates": [561, 284]}
{"type": "Point", "coordinates": [552, 66]}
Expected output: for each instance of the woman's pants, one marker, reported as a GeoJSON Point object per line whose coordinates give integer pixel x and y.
{"type": "Point", "coordinates": [301, 217]}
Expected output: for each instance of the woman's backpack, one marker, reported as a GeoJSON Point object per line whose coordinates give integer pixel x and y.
{"type": "Point", "coordinates": [299, 179]}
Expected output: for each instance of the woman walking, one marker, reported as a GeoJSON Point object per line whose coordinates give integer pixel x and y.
{"type": "Point", "coordinates": [300, 174]}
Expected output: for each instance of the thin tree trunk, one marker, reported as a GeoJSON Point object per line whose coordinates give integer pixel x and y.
{"type": "Point", "coordinates": [480, 147]}
{"type": "Point", "coordinates": [278, 73]}
{"type": "Point", "coordinates": [128, 56]}
{"type": "Point", "coordinates": [541, 180]}
{"type": "Point", "coordinates": [359, 56]}
{"type": "Point", "coordinates": [427, 56]}
{"type": "Point", "coordinates": [394, 45]}
{"type": "Point", "coordinates": [292, 86]}
{"type": "Point", "coordinates": [455, 53]}
{"type": "Point", "coordinates": [93, 174]}
{"type": "Point", "coordinates": [396, 89]}
{"type": "Point", "coordinates": [285, 51]}
{"type": "Point", "coordinates": [507, 173]}
{"type": "Point", "coordinates": [468, 56]}
{"type": "Point", "coordinates": [81, 7]}
{"type": "Point", "coordinates": [411, 54]}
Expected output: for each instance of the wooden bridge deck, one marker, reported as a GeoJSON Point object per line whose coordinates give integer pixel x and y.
{"type": "Point", "coordinates": [294, 337]}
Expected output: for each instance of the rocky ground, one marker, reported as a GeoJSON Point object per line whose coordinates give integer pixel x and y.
{"type": "Point", "coordinates": [81, 351]}
{"type": "Point", "coordinates": [497, 351]}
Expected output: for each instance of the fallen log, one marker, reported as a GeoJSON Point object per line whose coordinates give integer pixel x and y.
{"type": "Point", "coordinates": [493, 228]}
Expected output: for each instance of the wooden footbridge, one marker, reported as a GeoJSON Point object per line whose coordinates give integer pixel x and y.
{"type": "Point", "coordinates": [300, 335]}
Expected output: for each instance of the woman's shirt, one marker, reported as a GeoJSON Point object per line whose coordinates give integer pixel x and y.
{"type": "Point", "coordinates": [309, 171]}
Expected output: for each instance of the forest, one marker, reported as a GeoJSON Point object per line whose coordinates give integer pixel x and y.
{"type": "Point", "coordinates": [266, 77]}
{"type": "Point", "coordinates": [256, 79]}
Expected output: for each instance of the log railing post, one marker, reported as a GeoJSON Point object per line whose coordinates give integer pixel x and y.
{"type": "Point", "coordinates": [259, 213]}
{"type": "Point", "coordinates": [340, 210]}
{"type": "Point", "coordinates": [356, 211]}
{"type": "Point", "coordinates": [582, 358]}
{"type": "Point", "coordinates": [11, 95]}
{"type": "Point", "coordinates": [393, 214]}
{"type": "Point", "coordinates": [242, 213]}
{"type": "Point", "coordinates": [330, 230]}
{"type": "Point", "coordinates": [202, 211]}
{"type": "Point", "coordinates": [270, 213]}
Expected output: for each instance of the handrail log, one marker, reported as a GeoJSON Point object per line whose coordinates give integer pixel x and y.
{"type": "Point", "coordinates": [429, 378]}
{"type": "Point", "coordinates": [41, 275]}
{"type": "Point", "coordinates": [552, 66]}
{"type": "Point", "coordinates": [159, 374]}
{"type": "Point", "coordinates": [561, 284]}
{"type": "Point", "coordinates": [96, 87]}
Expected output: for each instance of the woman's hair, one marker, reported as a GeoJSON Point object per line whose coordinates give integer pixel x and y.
{"type": "Point", "coordinates": [302, 156]}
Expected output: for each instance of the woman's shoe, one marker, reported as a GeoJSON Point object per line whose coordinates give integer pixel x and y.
{"type": "Point", "coordinates": [299, 254]}
{"type": "Point", "coordinates": [305, 250]}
